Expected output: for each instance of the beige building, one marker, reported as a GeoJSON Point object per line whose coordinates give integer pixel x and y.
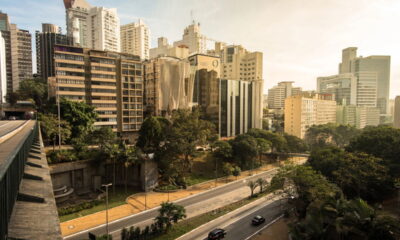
{"type": "Point", "coordinates": [396, 117]}
{"type": "Point", "coordinates": [301, 112]}
{"type": "Point", "coordinates": [111, 82]}
{"type": "Point", "coordinates": [135, 39]}
{"type": "Point", "coordinates": [164, 49]}
{"type": "Point", "coordinates": [169, 85]}
{"type": "Point", "coordinates": [278, 94]}
{"type": "Point", "coordinates": [193, 39]}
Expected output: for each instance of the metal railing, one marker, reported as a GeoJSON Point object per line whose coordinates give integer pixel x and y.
{"type": "Point", "coordinates": [10, 178]}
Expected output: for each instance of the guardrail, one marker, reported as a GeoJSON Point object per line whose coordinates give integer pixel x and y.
{"type": "Point", "coordinates": [10, 178]}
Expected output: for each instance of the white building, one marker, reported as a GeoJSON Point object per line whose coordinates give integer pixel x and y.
{"type": "Point", "coordinates": [135, 39]}
{"type": "Point", "coordinates": [164, 49]}
{"type": "Point", "coordinates": [93, 27]}
{"type": "Point", "coordinates": [278, 94]}
{"type": "Point", "coordinates": [193, 39]}
{"type": "Point", "coordinates": [3, 75]}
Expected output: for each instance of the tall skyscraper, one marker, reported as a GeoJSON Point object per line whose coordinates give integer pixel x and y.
{"type": "Point", "coordinates": [301, 112]}
{"type": "Point", "coordinates": [45, 42]}
{"type": "Point", "coordinates": [3, 72]}
{"type": "Point", "coordinates": [111, 82]}
{"type": "Point", "coordinates": [193, 39]}
{"type": "Point", "coordinates": [135, 39]}
{"type": "Point", "coordinates": [4, 22]}
{"type": "Point", "coordinates": [396, 118]}
{"type": "Point", "coordinates": [92, 27]}
{"type": "Point", "coordinates": [278, 94]}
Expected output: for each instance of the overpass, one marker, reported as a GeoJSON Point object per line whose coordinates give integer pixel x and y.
{"type": "Point", "coordinates": [27, 205]}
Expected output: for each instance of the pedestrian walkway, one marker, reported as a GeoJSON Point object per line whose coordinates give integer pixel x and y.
{"type": "Point", "coordinates": [139, 202]}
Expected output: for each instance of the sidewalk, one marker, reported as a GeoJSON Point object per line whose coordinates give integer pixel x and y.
{"type": "Point", "coordinates": [136, 203]}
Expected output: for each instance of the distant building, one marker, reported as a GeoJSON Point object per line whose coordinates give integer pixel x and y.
{"type": "Point", "coordinates": [93, 27]}
{"type": "Point", "coordinates": [206, 70]}
{"type": "Point", "coordinates": [396, 118]}
{"type": "Point", "coordinates": [278, 94]}
{"type": "Point", "coordinates": [169, 85]}
{"type": "Point", "coordinates": [164, 49]}
{"type": "Point", "coordinates": [238, 107]}
{"type": "Point", "coordinates": [301, 112]}
{"type": "Point", "coordinates": [358, 117]}
{"type": "Point", "coordinates": [362, 81]}
{"type": "Point", "coordinates": [45, 42]}
{"type": "Point", "coordinates": [18, 48]}
{"type": "Point", "coordinates": [135, 39]}
{"type": "Point", "coordinates": [193, 39]}
{"type": "Point", "coordinates": [109, 81]}
{"type": "Point", "coordinates": [3, 71]}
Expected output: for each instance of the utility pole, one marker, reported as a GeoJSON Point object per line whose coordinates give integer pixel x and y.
{"type": "Point", "coordinates": [106, 186]}
{"type": "Point", "coordinates": [59, 115]}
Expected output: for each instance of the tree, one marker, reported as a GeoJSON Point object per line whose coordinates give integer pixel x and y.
{"type": "Point", "coordinates": [295, 144]}
{"type": "Point", "coordinates": [382, 142]}
{"type": "Point", "coordinates": [222, 151]}
{"type": "Point", "coordinates": [110, 153]}
{"type": "Point", "coordinates": [33, 89]}
{"type": "Point", "coordinates": [80, 116]}
{"type": "Point", "coordinates": [101, 136]}
{"type": "Point", "coordinates": [278, 143]}
{"type": "Point", "coordinates": [236, 171]}
{"type": "Point", "coordinates": [227, 169]}
{"type": "Point", "coordinates": [169, 213]}
{"type": "Point", "coordinates": [128, 155]}
{"type": "Point", "coordinates": [150, 135]}
{"type": "Point", "coordinates": [263, 146]}
{"type": "Point", "coordinates": [261, 183]}
{"type": "Point", "coordinates": [244, 150]}
{"type": "Point", "coordinates": [49, 128]}
{"type": "Point", "coordinates": [252, 185]}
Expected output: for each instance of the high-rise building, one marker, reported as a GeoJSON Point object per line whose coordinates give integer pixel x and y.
{"type": "Point", "coordinates": [193, 39]}
{"type": "Point", "coordinates": [238, 107]}
{"type": "Point", "coordinates": [164, 49]}
{"type": "Point", "coordinates": [396, 118]}
{"type": "Point", "coordinates": [301, 112]}
{"type": "Point", "coordinates": [4, 22]}
{"type": "Point", "coordinates": [358, 116]}
{"type": "Point", "coordinates": [109, 81]}
{"type": "Point", "coordinates": [3, 72]}
{"type": "Point", "coordinates": [206, 70]}
{"type": "Point", "coordinates": [169, 85]}
{"type": "Point", "coordinates": [278, 94]}
{"type": "Point", "coordinates": [21, 56]}
{"type": "Point", "coordinates": [45, 42]}
{"type": "Point", "coordinates": [92, 27]}
{"type": "Point", "coordinates": [135, 39]}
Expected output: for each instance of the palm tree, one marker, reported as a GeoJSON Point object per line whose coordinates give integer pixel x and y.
{"type": "Point", "coordinates": [129, 156]}
{"type": "Point", "coordinates": [252, 185]}
{"type": "Point", "coordinates": [112, 152]}
{"type": "Point", "coordinates": [169, 213]}
{"type": "Point", "coordinates": [261, 183]}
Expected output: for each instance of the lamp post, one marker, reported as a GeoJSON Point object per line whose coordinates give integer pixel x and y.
{"type": "Point", "coordinates": [59, 115]}
{"type": "Point", "coordinates": [106, 186]}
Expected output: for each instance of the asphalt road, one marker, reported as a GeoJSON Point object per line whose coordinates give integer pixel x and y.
{"type": "Point", "coordinates": [192, 204]}
{"type": "Point", "coordinates": [238, 226]}
{"type": "Point", "coordinates": [9, 126]}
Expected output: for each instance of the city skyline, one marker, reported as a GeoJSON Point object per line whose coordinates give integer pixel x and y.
{"type": "Point", "coordinates": [271, 27]}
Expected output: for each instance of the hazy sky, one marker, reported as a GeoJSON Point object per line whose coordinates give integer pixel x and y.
{"type": "Point", "coordinates": [300, 39]}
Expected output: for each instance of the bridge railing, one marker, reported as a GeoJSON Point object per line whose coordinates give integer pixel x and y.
{"type": "Point", "coordinates": [11, 174]}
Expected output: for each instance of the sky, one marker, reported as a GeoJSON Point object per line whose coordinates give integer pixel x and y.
{"type": "Point", "coordinates": [300, 39]}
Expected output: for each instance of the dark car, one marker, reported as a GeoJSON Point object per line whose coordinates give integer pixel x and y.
{"type": "Point", "coordinates": [257, 220]}
{"type": "Point", "coordinates": [217, 234]}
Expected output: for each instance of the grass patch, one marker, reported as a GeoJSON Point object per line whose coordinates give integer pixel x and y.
{"type": "Point", "coordinates": [114, 200]}
{"type": "Point", "coordinates": [188, 225]}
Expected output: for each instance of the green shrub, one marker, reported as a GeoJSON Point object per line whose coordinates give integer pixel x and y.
{"type": "Point", "coordinates": [77, 208]}
{"type": "Point", "coordinates": [59, 156]}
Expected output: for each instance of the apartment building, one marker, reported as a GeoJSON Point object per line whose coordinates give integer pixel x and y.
{"type": "Point", "coordinates": [3, 71]}
{"type": "Point", "coordinates": [109, 81]}
{"type": "Point", "coordinates": [278, 94]}
{"type": "Point", "coordinates": [164, 49]}
{"type": "Point", "coordinates": [396, 117]}
{"type": "Point", "coordinates": [169, 85]}
{"type": "Point", "coordinates": [135, 39]}
{"type": "Point", "coordinates": [301, 112]}
{"type": "Point", "coordinates": [193, 39]}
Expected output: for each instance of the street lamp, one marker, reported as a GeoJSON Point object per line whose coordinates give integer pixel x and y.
{"type": "Point", "coordinates": [106, 186]}
{"type": "Point", "coordinates": [59, 115]}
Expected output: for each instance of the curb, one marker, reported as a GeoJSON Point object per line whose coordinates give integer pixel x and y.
{"type": "Point", "coordinates": [8, 135]}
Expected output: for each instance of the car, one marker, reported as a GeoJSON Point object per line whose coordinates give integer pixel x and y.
{"type": "Point", "coordinates": [217, 234]}
{"type": "Point", "coordinates": [12, 118]}
{"type": "Point", "coordinates": [257, 220]}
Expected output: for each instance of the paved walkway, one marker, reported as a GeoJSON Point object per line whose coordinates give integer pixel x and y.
{"type": "Point", "coordinates": [136, 203]}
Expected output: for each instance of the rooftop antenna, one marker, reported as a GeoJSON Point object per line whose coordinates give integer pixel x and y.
{"type": "Point", "coordinates": [191, 16]}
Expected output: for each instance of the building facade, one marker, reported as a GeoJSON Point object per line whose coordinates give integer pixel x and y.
{"type": "Point", "coordinates": [111, 82]}
{"type": "Point", "coordinates": [45, 42]}
{"type": "Point", "coordinates": [164, 49]}
{"type": "Point", "coordinates": [278, 94]}
{"type": "Point", "coordinates": [135, 39]}
{"type": "Point", "coordinates": [169, 85]}
{"type": "Point", "coordinates": [396, 118]}
{"type": "Point", "coordinates": [301, 112]}
{"type": "Point", "coordinates": [92, 27]}
{"type": "Point", "coordinates": [3, 71]}
{"type": "Point", "coordinates": [193, 39]}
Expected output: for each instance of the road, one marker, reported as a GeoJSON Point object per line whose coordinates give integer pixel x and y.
{"type": "Point", "coordinates": [238, 224]}
{"type": "Point", "coordinates": [9, 126]}
{"type": "Point", "coordinates": [195, 205]}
